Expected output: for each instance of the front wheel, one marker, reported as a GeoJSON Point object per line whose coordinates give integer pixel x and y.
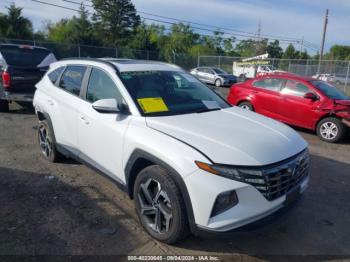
{"type": "Point", "coordinates": [331, 130]}
{"type": "Point", "coordinates": [159, 205]}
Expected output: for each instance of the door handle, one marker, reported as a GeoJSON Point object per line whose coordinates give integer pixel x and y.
{"type": "Point", "coordinates": [50, 102]}
{"type": "Point", "coordinates": [83, 118]}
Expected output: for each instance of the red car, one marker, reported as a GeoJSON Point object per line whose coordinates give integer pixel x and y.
{"type": "Point", "coordinates": [295, 100]}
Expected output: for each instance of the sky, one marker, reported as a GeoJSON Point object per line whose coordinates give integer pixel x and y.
{"type": "Point", "coordinates": [283, 18]}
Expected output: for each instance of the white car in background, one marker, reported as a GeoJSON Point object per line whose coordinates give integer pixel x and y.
{"type": "Point", "coordinates": [153, 128]}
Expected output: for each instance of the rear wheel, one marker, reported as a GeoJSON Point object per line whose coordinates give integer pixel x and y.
{"type": "Point", "coordinates": [4, 105]}
{"type": "Point", "coordinates": [159, 205]}
{"type": "Point", "coordinates": [246, 105]}
{"type": "Point", "coordinates": [331, 129]}
{"type": "Point", "coordinates": [47, 142]}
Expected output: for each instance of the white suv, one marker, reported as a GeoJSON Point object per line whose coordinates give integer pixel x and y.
{"type": "Point", "coordinates": [190, 161]}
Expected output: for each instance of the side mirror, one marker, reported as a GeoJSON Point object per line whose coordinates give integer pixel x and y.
{"type": "Point", "coordinates": [110, 105]}
{"type": "Point", "coordinates": [311, 96]}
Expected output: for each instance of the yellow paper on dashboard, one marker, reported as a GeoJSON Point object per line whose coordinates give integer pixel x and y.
{"type": "Point", "coordinates": [152, 104]}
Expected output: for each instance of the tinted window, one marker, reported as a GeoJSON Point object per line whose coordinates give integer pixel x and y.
{"type": "Point", "coordinates": [207, 71]}
{"type": "Point", "coordinates": [54, 75]}
{"type": "Point", "coordinates": [72, 78]}
{"type": "Point", "coordinates": [101, 86]}
{"type": "Point", "coordinates": [25, 56]}
{"type": "Point", "coordinates": [295, 88]}
{"type": "Point", "coordinates": [273, 84]}
{"type": "Point", "coordinates": [329, 90]}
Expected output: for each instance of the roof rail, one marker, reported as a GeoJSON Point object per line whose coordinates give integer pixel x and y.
{"type": "Point", "coordinates": [103, 61]}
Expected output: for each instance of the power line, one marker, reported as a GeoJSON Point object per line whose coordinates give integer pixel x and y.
{"type": "Point", "coordinates": [291, 40]}
{"type": "Point", "coordinates": [250, 34]}
{"type": "Point", "coordinates": [167, 22]}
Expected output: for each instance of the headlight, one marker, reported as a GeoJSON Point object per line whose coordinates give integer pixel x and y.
{"type": "Point", "coordinates": [239, 174]}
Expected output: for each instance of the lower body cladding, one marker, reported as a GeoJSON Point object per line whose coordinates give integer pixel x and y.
{"type": "Point", "coordinates": [346, 122]}
{"type": "Point", "coordinates": [250, 205]}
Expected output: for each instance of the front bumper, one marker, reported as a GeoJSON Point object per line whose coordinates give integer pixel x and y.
{"type": "Point", "coordinates": [22, 97]}
{"type": "Point", "coordinates": [229, 82]}
{"type": "Point", "coordinates": [252, 205]}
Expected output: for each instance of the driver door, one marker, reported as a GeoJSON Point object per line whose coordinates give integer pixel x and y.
{"type": "Point", "coordinates": [101, 135]}
{"type": "Point", "coordinates": [294, 108]}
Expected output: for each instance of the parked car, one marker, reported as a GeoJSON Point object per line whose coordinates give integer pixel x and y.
{"type": "Point", "coordinates": [21, 67]}
{"type": "Point", "coordinates": [153, 128]}
{"type": "Point", "coordinates": [214, 76]}
{"type": "Point", "coordinates": [295, 100]}
{"type": "Point", "coordinates": [325, 77]}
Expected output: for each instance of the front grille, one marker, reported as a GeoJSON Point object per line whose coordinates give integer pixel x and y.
{"type": "Point", "coordinates": [279, 179]}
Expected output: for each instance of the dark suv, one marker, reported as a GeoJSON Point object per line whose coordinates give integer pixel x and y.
{"type": "Point", "coordinates": [21, 67]}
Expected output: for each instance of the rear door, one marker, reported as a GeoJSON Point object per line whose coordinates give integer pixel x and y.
{"type": "Point", "coordinates": [294, 108]}
{"type": "Point", "coordinates": [62, 104]}
{"type": "Point", "coordinates": [266, 93]}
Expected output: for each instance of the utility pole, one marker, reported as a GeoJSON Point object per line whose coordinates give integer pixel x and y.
{"type": "Point", "coordinates": [258, 38]}
{"type": "Point", "coordinates": [301, 46]}
{"type": "Point", "coordinates": [323, 40]}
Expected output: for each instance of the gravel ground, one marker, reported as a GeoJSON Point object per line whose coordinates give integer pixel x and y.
{"type": "Point", "coordinates": [68, 209]}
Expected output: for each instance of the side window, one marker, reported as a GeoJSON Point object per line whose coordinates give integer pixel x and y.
{"type": "Point", "coordinates": [53, 76]}
{"type": "Point", "coordinates": [273, 84]}
{"type": "Point", "coordinates": [295, 88]}
{"type": "Point", "coordinates": [72, 78]}
{"type": "Point", "coordinates": [101, 86]}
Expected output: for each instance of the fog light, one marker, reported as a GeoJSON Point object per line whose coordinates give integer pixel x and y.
{"type": "Point", "coordinates": [223, 202]}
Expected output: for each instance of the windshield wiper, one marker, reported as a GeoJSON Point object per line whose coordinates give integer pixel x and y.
{"type": "Point", "coordinates": [203, 110]}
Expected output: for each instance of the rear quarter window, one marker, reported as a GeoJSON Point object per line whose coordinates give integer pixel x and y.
{"type": "Point", "coordinates": [55, 74]}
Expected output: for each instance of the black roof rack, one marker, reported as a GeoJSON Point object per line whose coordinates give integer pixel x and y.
{"type": "Point", "coordinates": [106, 62]}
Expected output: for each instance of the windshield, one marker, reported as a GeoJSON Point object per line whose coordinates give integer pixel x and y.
{"type": "Point", "coordinates": [219, 71]}
{"type": "Point", "coordinates": [164, 93]}
{"type": "Point", "coordinates": [24, 56]}
{"type": "Point", "coordinates": [329, 90]}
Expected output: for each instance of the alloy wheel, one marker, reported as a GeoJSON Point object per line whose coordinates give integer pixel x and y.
{"type": "Point", "coordinates": [45, 141]}
{"type": "Point", "coordinates": [328, 130]}
{"type": "Point", "coordinates": [155, 206]}
{"type": "Point", "coordinates": [245, 107]}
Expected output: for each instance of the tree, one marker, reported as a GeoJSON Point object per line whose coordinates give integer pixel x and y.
{"type": "Point", "coordinates": [339, 52]}
{"type": "Point", "coordinates": [289, 53]}
{"type": "Point", "coordinates": [274, 49]}
{"type": "Point", "coordinates": [246, 48]}
{"type": "Point", "coordinates": [115, 21]}
{"type": "Point", "coordinates": [14, 25]}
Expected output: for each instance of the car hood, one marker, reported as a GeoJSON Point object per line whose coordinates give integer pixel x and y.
{"type": "Point", "coordinates": [233, 136]}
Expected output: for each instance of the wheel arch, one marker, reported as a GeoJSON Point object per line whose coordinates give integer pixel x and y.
{"type": "Point", "coordinates": [323, 117]}
{"type": "Point", "coordinates": [139, 160]}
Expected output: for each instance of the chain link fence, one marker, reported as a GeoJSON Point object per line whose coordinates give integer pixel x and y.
{"type": "Point", "coordinates": [336, 71]}
{"type": "Point", "coordinates": [64, 50]}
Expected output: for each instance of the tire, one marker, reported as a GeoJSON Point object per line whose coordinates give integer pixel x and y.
{"type": "Point", "coordinates": [46, 139]}
{"type": "Point", "coordinates": [331, 130]}
{"type": "Point", "coordinates": [246, 105]}
{"type": "Point", "coordinates": [242, 78]}
{"type": "Point", "coordinates": [4, 105]}
{"type": "Point", "coordinates": [169, 205]}
{"type": "Point", "coordinates": [217, 83]}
